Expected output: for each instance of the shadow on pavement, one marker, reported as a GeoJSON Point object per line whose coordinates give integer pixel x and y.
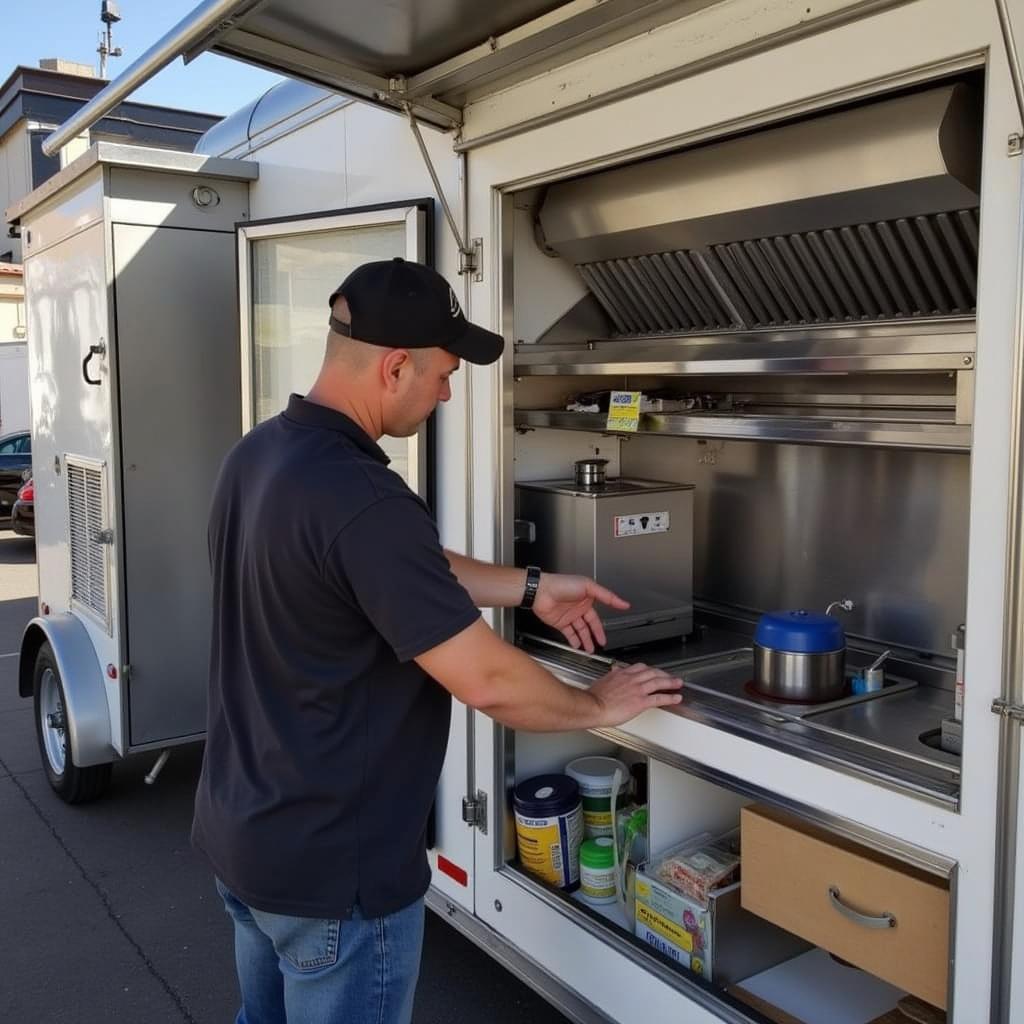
{"type": "Point", "coordinates": [16, 550]}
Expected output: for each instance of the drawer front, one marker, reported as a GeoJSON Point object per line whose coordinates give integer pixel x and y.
{"type": "Point", "coordinates": [842, 897]}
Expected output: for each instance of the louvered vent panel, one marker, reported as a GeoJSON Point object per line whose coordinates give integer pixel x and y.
{"type": "Point", "coordinates": [890, 270]}
{"type": "Point", "coordinates": [89, 576]}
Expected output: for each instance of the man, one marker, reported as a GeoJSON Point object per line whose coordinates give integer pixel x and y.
{"type": "Point", "coordinates": [341, 628]}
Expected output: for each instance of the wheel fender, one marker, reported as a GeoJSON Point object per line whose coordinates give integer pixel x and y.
{"type": "Point", "coordinates": [86, 710]}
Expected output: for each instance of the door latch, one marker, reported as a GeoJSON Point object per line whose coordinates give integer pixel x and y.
{"type": "Point", "coordinates": [474, 811]}
{"type": "Point", "coordinates": [1006, 709]}
{"type": "Point", "coordinates": [471, 260]}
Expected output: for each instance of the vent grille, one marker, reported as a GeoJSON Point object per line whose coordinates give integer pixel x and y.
{"type": "Point", "coordinates": [86, 523]}
{"type": "Point", "coordinates": [890, 270]}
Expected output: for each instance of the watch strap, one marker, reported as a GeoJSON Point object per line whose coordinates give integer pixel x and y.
{"type": "Point", "coordinates": [532, 585]}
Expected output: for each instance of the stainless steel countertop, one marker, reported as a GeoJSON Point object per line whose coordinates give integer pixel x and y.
{"type": "Point", "coordinates": [877, 738]}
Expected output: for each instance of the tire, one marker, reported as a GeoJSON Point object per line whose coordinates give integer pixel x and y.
{"type": "Point", "coordinates": [72, 784]}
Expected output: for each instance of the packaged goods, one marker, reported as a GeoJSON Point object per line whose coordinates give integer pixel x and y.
{"type": "Point", "coordinates": [695, 872]}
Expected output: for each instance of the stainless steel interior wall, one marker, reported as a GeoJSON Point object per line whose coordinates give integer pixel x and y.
{"type": "Point", "coordinates": [797, 526]}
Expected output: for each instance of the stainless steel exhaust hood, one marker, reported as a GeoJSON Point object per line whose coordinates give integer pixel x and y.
{"type": "Point", "coordinates": [866, 214]}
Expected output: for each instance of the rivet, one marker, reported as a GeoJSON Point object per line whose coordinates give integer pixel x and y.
{"type": "Point", "coordinates": [497, 906]}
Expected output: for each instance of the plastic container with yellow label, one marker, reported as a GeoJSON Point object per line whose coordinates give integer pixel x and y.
{"type": "Point", "coordinates": [549, 829]}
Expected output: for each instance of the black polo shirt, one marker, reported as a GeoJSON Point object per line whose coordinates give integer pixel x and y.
{"type": "Point", "coordinates": [325, 740]}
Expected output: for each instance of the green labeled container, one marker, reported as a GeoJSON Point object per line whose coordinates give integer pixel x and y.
{"type": "Point", "coordinates": [594, 777]}
{"type": "Point", "coordinates": [597, 870]}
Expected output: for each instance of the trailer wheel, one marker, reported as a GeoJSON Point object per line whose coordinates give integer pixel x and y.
{"type": "Point", "coordinates": [72, 784]}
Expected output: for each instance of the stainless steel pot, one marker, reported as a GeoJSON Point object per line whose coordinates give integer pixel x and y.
{"type": "Point", "coordinates": [590, 472]}
{"type": "Point", "coordinates": [808, 678]}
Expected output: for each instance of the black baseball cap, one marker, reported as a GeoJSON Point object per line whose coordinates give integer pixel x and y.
{"type": "Point", "coordinates": [399, 304]}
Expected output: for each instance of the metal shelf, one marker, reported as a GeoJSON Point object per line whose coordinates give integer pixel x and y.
{"type": "Point", "coordinates": [879, 348]}
{"type": "Point", "coordinates": [931, 436]}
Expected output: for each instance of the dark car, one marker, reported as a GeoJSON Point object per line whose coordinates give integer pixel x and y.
{"type": "Point", "coordinates": [23, 513]}
{"type": "Point", "coordinates": [15, 466]}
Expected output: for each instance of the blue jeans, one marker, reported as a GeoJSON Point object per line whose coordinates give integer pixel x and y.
{"type": "Point", "coordinates": [304, 970]}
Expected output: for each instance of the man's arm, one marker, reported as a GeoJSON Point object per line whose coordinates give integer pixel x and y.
{"type": "Point", "coordinates": [490, 586]}
{"type": "Point", "coordinates": [564, 602]}
{"type": "Point", "coordinates": [486, 673]}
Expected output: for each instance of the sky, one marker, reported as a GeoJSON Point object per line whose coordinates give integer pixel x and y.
{"type": "Point", "coordinates": [70, 29]}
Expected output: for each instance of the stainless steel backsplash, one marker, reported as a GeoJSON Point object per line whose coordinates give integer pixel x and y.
{"type": "Point", "coordinates": [787, 526]}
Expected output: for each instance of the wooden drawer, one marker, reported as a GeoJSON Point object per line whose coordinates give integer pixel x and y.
{"type": "Point", "coordinates": [789, 869]}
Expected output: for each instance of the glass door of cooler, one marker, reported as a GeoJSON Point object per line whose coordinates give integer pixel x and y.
{"type": "Point", "coordinates": [288, 269]}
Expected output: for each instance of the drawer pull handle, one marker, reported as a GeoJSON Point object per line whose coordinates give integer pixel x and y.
{"type": "Point", "coordinates": [884, 920]}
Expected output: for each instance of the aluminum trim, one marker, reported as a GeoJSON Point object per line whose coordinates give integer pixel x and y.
{"type": "Point", "coordinates": [1010, 793]}
{"type": "Point", "coordinates": [1012, 59]}
{"type": "Point", "coordinates": [513, 960]}
{"type": "Point", "coordinates": [719, 1003]}
{"type": "Point", "coordinates": [915, 856]}
{"type": "Point", "coordinates": [909, 434]}
{"type": "Point", "coordinates": [114, 154]}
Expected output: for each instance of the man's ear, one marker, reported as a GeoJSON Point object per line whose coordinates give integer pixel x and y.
{"type": "Point", "coordinates": [397, 362]}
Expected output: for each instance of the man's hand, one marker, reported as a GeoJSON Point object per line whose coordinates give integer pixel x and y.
{"type": "Point", "coordinates": [566, 603]}
{"type": "Point", "coordinates": [625, 692]}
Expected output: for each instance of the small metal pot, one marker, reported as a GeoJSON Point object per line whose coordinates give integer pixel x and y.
{"type": "Point", "coordinates": [590, 472]}
{"type": "Point", "coordinates": [800, 656]}
{"type": "Point", "coordinates": [809, 678]}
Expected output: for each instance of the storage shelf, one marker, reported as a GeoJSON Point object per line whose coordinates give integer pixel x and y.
{"type": "Point", "coordinates": [943, 346]}
{"type": "Point", "coordinates": [931, 436]}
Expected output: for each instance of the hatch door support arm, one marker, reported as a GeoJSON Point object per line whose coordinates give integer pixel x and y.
{"type": "Point", "coordinates": [470, 256]}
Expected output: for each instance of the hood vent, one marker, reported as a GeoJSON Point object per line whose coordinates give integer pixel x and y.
{"type": "Point", "coordinates": [741, 235]}
{"type": "Point", "coordinates": [902, 269]}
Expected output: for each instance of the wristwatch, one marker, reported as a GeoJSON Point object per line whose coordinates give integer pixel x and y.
{"type": "Point", "coordinates": [532, 584]}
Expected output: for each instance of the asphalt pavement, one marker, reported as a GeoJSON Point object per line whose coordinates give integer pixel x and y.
{"type": "Point", "coordinates": [106, 913]}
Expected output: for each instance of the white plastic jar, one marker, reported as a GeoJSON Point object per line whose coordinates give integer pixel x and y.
{"type": "Point", "coordinates": [594, 776]}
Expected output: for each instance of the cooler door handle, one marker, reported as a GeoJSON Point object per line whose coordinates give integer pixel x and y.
{"type": "Point", "coordinates": [883, 920]}
{"type": "Point", "coordinates": [94, 350]}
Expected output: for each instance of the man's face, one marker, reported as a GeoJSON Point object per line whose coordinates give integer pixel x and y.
{"type": "Point", "coordinates": [423, 381]}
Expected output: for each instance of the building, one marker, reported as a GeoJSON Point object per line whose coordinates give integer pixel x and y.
{"type": "Point", "coordinates": [34, 101]}
{"type": "Point", "coordinates": [14, 405]}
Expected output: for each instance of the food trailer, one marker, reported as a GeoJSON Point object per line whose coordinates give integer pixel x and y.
{"type": "Point", "coordinates": [758, 267]}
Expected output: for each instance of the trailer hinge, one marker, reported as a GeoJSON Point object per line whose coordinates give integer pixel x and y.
{"type": "Point", "coordinates": [471, 260]}
{"type": "Point", "coordinates": [102, 537]}
{"type": "Point", "coordinates": [1015, 145]}
{"type": "Point", "coordinates": [1006, 709]}
{"type": "Point", "coordinates": [474, 810]}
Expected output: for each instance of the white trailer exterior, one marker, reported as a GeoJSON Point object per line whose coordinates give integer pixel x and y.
{"type": "Point", "coordinates": [600, 94]}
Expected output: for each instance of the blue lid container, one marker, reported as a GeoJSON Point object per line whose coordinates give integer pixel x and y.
{"type": "Point", "coordinates": [800, 632]}
{"type": "Point", "coordinates": [546, 796]}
